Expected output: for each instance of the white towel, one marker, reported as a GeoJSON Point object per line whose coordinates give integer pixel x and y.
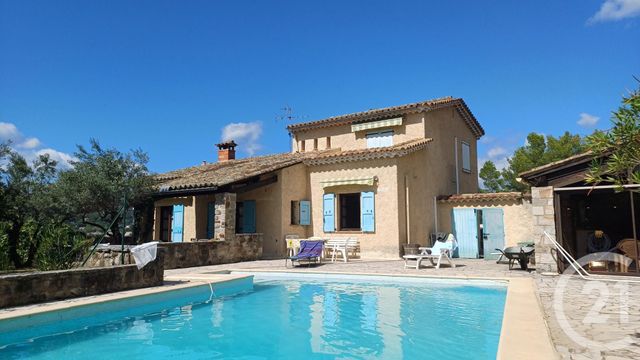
{"type": "Point", "coordinates": [145, 253]}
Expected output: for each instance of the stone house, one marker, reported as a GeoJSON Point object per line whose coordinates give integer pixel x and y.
{"type": "Point", "coordinates": [374, 175]}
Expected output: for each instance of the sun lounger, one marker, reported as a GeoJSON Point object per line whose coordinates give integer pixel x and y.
{"type": "Point", "coordinates": [440, 250]}
{"type": "Point", "coordinates": [310, 250]}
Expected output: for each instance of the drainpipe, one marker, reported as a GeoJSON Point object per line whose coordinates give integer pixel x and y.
{"type": "Point", "coordinates": [406, 204]}
{"type": "Point", "coordinates": [435, 212]}
{"type": "Point", "coordinates": [457, 166]}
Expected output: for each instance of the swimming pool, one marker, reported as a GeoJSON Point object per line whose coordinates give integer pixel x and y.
{"type": "Point", "coordinates": [280, 316]}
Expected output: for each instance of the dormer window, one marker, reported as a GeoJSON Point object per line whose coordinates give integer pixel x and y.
{"type": "Point", "coordinates": [380, 139]}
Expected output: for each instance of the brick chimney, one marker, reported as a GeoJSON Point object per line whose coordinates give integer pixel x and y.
{"type": "Point", "coordinates": [226, 151]}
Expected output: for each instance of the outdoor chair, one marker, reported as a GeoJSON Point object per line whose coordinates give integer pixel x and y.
{"type": "Point", "coordinates": [440, 250]}
{"type": "Point", "coordinates": [342, 246]}
{"type": "Point", "coordinates": [293, 244]}
{"type": "Point", "coordinates": [310, 250]}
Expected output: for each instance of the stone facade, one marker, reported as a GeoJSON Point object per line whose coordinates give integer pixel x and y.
{"type": "Point", "coordinates": [241, 247]}
{"type": "Point", "coordinates": [543, 214]}
{"type": "Point", "coordinates": [35, 287]}
{"type": "Point", "coordinates": [225, 216]}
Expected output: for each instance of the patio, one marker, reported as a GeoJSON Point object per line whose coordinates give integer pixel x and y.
{"type": "Point", "coordinates": [577, 305]}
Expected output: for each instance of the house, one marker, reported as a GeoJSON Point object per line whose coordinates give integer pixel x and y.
{"type": "Point", "coordinates": [374, 175]}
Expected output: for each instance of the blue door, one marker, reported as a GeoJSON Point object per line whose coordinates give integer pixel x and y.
{"type": "Point", "coordinates": [249, 216]}
{"type": "Point", "coordinates": [178, 223]}
{"type": "Point", "coordinates": [465, 229]}
{"type": "Point", "coordinates": [492, 232]}
{"type": "Point", "coordinates": [328, 213]}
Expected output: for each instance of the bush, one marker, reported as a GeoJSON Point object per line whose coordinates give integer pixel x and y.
{"type": "Point", "coordinates": [61, 248]}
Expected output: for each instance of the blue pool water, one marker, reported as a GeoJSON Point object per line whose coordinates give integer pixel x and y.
{"type": "Point", "coordinates": [280, 318]}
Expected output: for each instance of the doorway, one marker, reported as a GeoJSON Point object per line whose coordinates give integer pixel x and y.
{"type": "Point", "coordinates": [478, 231]}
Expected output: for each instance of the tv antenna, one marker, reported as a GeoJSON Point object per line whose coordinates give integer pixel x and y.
{"type": "Point", "coordinates": [288, 115]}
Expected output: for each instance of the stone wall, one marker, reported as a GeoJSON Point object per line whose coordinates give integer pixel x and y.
{"type": "Point", "coordinates": [224, 227]}
{"type": "Point", "coordinates": [241, 247]}
{"type": "Point", "coordinates": [36, 287]}
{"type": "Point", "coordinates": [544, 220]}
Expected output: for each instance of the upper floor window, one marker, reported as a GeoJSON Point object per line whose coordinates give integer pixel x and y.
{"type": "Point", "coordinates": [380, 139]}
{"type": "Point", "coordinates": [315, 144]}
{"type": "Point", "coordinates": [466, 157]}
{"type": "Point", "coordinates": [302, 142]}
{"type": "Point", "coordinates": [328, 142]}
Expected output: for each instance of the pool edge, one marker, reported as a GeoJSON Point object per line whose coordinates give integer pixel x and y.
{"type": "Point", "coordinates": [185, 281]}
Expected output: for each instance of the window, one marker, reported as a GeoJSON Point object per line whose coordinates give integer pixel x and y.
{"type": "Point", "coordinates": [300, 212]}
{"type": "Point", "coordinates": [328, 142]}
{"type": "Point", "coordinates": [466, 157]}
{"type": "Point", "coordinates": [315, 144]}
{"type": "Point", "coordinates": [301, 145]}
{"type": "Point", "coordinates": [380, 139]}
{"type": "Point", "coordinates": [350, 211]}
{"type": "Point", "coordinates": [166, 218]}
{"type": "Point", "coordinates": [295, 212]}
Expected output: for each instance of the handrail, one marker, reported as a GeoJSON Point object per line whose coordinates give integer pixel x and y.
{"type": "Point", "coordinates": [584, 274]}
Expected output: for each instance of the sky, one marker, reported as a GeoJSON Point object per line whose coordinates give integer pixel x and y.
{"type": "Point", "coordinates": [173, 78]}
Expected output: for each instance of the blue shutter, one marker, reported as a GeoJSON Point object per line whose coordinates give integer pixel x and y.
{"type": "Point", "coordinates": [178, 222]}
{"type": "Point", "coordinates": [211, 219]}
{"type": "Point", "coordinates": [305, 212]}
{"type": "Point", "coordinates": [367, 212]}
{"type": "Point", "coordinates": [328, 216]}
{"type": "Point", "coordinates": [249, 216]}
{"type": "Point", "coordinates": [465, 229]}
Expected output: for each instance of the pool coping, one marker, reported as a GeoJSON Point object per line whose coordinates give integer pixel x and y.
{"type": "Point", "coordinates": [522, 316]}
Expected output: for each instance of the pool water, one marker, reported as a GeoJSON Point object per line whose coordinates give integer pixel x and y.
{"type": "Point", "coordinates": [295, 318]}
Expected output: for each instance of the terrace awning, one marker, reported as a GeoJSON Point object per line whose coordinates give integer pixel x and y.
{"type": "Point", "coordinates": [352, 181]}
{"type": "Point", "coordinates": [376, 124]}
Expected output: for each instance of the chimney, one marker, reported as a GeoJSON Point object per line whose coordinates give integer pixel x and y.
{"type": "Point", "coordinates": [226, 151]}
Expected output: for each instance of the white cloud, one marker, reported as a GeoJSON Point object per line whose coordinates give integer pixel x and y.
{"type": "Point", "coordinates": [8, 131]}
{"type": "Point", "coordinates": [246, 135]}
{"type": "Point", "coordinates": [614, 10]}
{"type": "Point", "coordinates": [486, 139]}
{"type": "Point", "coordinates": [587, 120]}
{"type": "Point", "coordinates": [30, 143]}
{"type": "Point", "coordinates": [496, 151]}
{"type": "Point", "coordinates": [30, 147]}
{"type": "Point", "coordinates": [63, 159]}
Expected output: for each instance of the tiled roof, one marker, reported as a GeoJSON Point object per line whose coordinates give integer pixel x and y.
{"type": "Point", "coordinates": [224, 173]}
{"type": "Point", "coordinates": [483, 197]}
{"type": "Point", "coordinates": [333, 157]}
{"type": "Point", "coordinates": [394, 111]}
{"type": "Point", "coordinates": [578, 158]}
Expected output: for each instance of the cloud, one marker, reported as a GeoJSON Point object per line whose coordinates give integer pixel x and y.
{"type": "Point", "coordinates": [8, 131]}
{"type": "Point", "coordinates": [587, 120]}
{"type": "Point", "coordinates": [30, 143]}
{"type": "Point", "coordinates": [31, 147]}
{"type": "Point", "coordinates": [496, 151]}
{"type": "Point", "coordinates": [614, 10]}
{"type": "Point", "coordinates": [486, 139]}
{"type": "Point", "coordinates": [245, 134]}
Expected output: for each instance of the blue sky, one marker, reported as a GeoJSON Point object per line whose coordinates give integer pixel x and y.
{"type": "Point", "coordinates": [169, 76]}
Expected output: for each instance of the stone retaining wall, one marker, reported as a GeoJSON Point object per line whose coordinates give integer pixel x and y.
{"type": "Point", "coordinates": [36, 287]}
{"type": "Point", "coordinates": [241, 247]}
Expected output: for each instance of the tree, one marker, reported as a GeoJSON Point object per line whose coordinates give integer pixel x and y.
{"type": "Point", "coordinates": [491, 177]}
{"type": "Point", "coordinates": [95, 188]}
{"type": "Point", "coordinates": [617, 151]}
{"type": "Point", "coordinates": [28, 203]}
{"type": "Point", "coordinates": [539, 150]}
